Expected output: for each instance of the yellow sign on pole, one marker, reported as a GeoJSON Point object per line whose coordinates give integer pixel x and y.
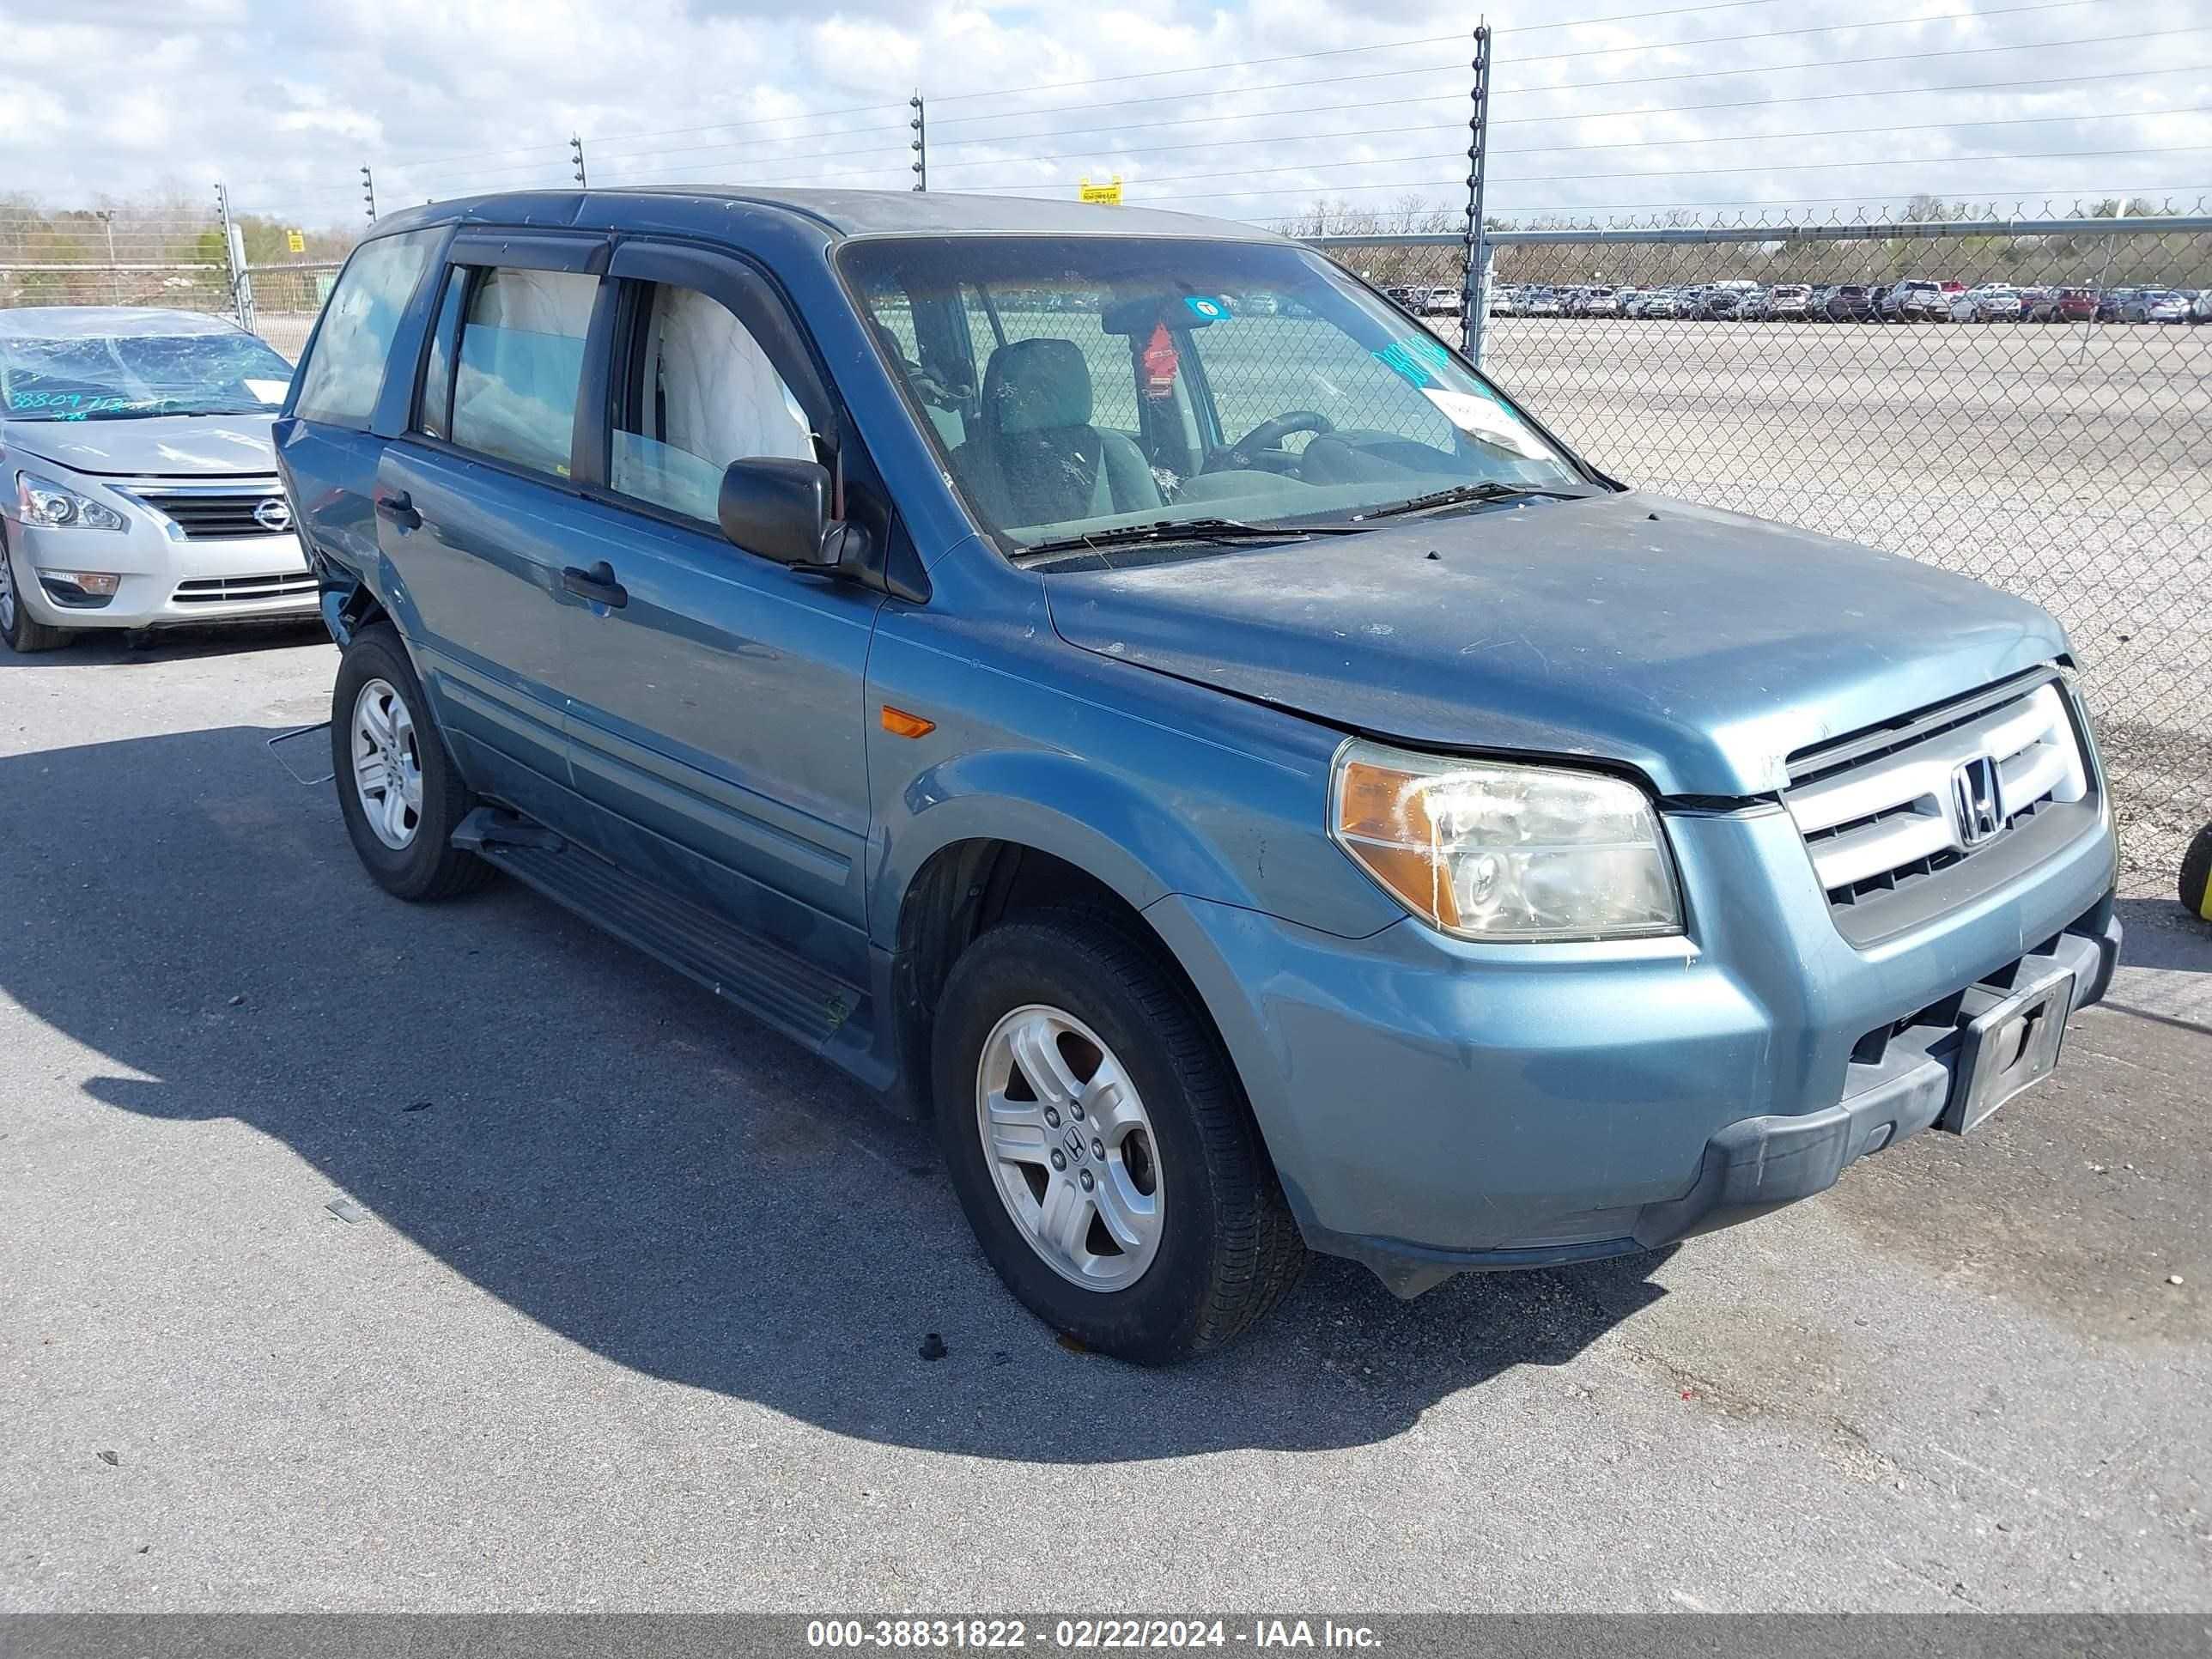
{"type": "Point", "coordinates": [1110, 192]}
{"type": "Point", "coordinates": [295, 241]}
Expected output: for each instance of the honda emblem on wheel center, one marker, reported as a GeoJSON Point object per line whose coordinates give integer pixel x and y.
{"type": "Point", "coordinates": [1977, 797]}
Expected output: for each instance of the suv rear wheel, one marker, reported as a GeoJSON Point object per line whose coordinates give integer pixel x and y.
{"type": "Point", "coordinates": [397, 789]}
{"type": "Point", "coordinates": [1100, 1144]}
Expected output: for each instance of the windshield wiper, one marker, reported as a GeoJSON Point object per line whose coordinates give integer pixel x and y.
{"type": "Point", "coordinates": [1489, 490]}
{"type": "Point", "coordinates": [1183, 530]}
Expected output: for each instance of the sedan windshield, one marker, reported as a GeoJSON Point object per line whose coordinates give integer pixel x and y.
{"type": "Point", "coordinates": [1079, 386]}
{"type": "Point", "coordinates": [121, 377]}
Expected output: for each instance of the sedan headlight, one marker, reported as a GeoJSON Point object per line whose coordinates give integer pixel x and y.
{"type": "Point", "coordinates": [1484, 850]}
{"type": "Point", "coordinates": [46, 505]}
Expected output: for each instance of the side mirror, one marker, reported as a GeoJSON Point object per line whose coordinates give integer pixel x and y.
{"type": "Point", "coordinates": [779, 508]}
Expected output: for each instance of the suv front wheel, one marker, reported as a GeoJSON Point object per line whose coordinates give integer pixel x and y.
{"type": "Point", "coordinates": [397, 789]}
{"type": "Point", "coordinates": [1100, 1144]}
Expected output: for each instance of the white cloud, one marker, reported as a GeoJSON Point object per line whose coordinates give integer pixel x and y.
{"type": "Point", "coordinates": [284, 102]}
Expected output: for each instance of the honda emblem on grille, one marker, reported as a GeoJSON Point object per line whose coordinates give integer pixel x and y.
{"type": "Point", "coordinates": [273, 514]}
{"type": "Point", "coordinates": [1977, 797]}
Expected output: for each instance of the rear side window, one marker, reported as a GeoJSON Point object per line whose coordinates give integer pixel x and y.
{"type": "Point", "coordinates": [344, 374]}
{"type": "Point", "coordinates": [520, 362]}
{"type": "Point", "coordinates": [701, 393]}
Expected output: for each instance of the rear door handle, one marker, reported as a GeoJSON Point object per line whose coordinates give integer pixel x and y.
{"type": "Point", "coordinates": [598, 585]}
{"type": "Point", "coordinates": [400, 509]}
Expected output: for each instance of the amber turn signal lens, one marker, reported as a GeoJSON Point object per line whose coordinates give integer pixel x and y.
{"type": "Point", "coordinates": [900, 724]}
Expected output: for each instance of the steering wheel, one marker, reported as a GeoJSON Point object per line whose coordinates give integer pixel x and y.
{"type": "Point", "coordinates": [1269, 434]}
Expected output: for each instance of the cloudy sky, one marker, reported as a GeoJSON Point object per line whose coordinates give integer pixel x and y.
{"type": "Point", "coordinates": [1254, 110]}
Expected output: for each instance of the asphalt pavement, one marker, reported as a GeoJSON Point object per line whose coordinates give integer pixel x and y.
{"type": "Point", "coordinates": [358, 1255]}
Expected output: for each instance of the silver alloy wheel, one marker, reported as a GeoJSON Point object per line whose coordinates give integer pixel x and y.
{"type": "Point", "coordinates": [1070, 1148]}
{"type": "Point", "coordinates": [387, 765]}
{"type": "Point", "coordinates": [7, 594]}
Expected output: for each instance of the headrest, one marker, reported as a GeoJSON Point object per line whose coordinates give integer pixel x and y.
{"type": "Point", "coordinates": [1034, 385]}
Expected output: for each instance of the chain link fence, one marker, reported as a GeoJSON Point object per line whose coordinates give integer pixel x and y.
{"type": "Point", "coordinates": [2026, 402]}
{"type": "Point", "coordinates": [288, 298]}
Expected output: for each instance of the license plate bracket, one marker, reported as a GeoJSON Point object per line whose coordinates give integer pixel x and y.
{"type": "Point", "coordinates": [2008, 1049]}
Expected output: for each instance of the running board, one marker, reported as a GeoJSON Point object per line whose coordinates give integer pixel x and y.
{"type": "Point", "coordinates": [489, 826]}
{"type": "Point", "coordinates": [816, 1009]}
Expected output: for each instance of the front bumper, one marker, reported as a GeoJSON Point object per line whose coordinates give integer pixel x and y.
{"type": "Point", "coordinates": [1434, 1106]}
{"type": "Point", "coordinates": [166, 582]}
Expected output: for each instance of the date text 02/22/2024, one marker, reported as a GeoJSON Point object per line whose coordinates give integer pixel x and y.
{"type": "Point", "coordinates": [1081, 1635]}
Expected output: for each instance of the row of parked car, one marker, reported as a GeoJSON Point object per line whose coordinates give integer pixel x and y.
{"type": "Point", "coordinates": [1911, 300]}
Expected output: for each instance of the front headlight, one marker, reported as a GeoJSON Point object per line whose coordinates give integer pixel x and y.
{"type": "Point", "coordinates": [1484, 850]}
{"type": "Point", "coordinates": [45, 505]}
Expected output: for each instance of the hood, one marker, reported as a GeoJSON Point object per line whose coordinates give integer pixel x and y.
{"type": "Point", "coordinates": [160, 445]}
{"type": "Point", "coordinates": [1699, 647]}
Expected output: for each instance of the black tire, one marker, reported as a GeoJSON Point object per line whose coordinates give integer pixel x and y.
{"type": "Point", "coordinates": [429, 866]}
{"type": "Point", "coordinates": [2196, 875]}
{"type": "Point", "coordinates": [1229, 1249]}
{"type": "Point", "coordinates": [23, 632]}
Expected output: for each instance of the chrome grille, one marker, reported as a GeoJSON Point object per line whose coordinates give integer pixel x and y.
{"type": "Point", "coordinates": [236, 508]}
{"type": "Point", "coordinates": [241, 590]}
{"type": "Point", "coordinates": [1945, 789]}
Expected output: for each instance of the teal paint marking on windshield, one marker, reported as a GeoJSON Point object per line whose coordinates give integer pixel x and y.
{"type": "Point", "coordinates": [1414, 360]}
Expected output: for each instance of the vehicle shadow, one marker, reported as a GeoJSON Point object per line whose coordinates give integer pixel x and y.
{"type": "Point", "coordinates": [109, 644]}
{"type": "Point", "coordinates": [609, 1152]}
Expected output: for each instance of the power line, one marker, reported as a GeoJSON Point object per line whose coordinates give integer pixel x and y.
{"type": "Point", "coordinates": [1692, 74]}
{"type": "Point", "coordinates": [1441, 39]}
{"type": "Point", "coordinates": [1815, 28]}
{"type": "Point", "coordinates": [745, 143]}
{"type": "Point", "coordinates": [1539, 149]}
{"type": "Point", "coordinates": [1460, 97]}
{"type": "Point", "coordinates": [757, 121]}
{"type": "Point", "coordinates": [770, 162]}
{"type": "Point", "coordinates": [1843, 63]}
{"type": "Point", "coordinates": [1885, 161]}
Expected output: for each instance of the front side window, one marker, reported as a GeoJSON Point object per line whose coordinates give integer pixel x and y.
{"type": "Point", "coordinates": [122, 377]}
{"type": "Point", "coordinates": [520, 362]}
{"type": "Point", "coordinates": [1122, 381]}
{"type": "Point", "coordinates": [345, 374]}
{"type": "Point", "coordinates": [699, 393]}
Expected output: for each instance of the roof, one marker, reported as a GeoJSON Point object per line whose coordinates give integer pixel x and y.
{"type": "Point", "coordinates": [101, 322]}
{"type": "Point", "coordinates": [856, 212]}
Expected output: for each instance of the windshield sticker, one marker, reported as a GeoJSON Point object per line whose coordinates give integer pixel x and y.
{"type": "Point", "coordinates": [269, 391]}
{"type": "Point", "coordinates": [1211, 311]}
{"type": "Point", "coordinates": [1160, 363]}
{"type": "Point", "coordinates": [1486, 421]}
{"type": "Point", "coordinates": [1413, 360]}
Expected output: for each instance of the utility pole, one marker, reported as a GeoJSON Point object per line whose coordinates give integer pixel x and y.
{"type": "Point", "coordinates": [368, 191]}
{"type": "Point", "coordinates": [920, 145]}
{"type": "Point", "coordinates": [576, 154]}
{"type": "Point", "coordinates": [1475, 289]}
{"type": "Point", "coordinates": [106, 216]}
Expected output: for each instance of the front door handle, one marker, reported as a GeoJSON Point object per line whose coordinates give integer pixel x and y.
{"type": "Point", "coordinates": [598, 585]}
{"type": "Point", "coordinates": [400, 509]}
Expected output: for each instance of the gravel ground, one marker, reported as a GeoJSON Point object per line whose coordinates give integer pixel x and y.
{"type": "Point", "coordinates": [626, 1304]}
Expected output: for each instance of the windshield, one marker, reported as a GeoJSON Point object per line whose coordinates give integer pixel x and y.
{"type": "Point", "coordinates": [1076, 385]}
{"type": "Point", "coordinates": [123, 377]}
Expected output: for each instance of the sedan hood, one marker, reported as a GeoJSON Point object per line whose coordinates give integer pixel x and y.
{"type": "Point", "coordinates": [159, 446]}
{"type": "Point", "coordinates": [1699, 647]}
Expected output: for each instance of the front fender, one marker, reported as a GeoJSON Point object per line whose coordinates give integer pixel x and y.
{"type": "Point", "coordinates": [1059, 804]}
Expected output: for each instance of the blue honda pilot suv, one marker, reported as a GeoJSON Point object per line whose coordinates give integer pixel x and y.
{"type": "Point", "coordinates": [1116, 685]}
